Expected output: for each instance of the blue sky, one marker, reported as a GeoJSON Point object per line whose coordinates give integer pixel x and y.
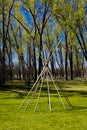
{"type": "Point", "coordinates": [27, 16]}
{"type": "Point", "coordinates": [29, 22]}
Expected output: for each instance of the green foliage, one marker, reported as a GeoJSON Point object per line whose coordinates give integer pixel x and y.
{"type": "Point", "coordinates": [66, 14]}
{"type": "Point", "coordinates": [30, 3]}
{"type": "Point", "coordinates": [26, 36]}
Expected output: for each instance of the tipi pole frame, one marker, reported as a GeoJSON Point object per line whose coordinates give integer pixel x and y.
{"type": "Point", "coordinates": [31, 89]}
{"type": "Point", "coordinates": [49, 101]}
{"type": "Point", "coordinates": [66, 98]}
{"type": "Point", "coordinates": [57, 90]}
{"type": "Point", "coordinates": [31, 98]}
{"type": "Point", "coordinates": [45, 71]}
{"type": "Point", "coordinates": [39, 93]}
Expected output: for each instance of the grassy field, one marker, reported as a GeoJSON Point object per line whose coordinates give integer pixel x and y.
{"type": "Point", "coordinates": [13, 118]}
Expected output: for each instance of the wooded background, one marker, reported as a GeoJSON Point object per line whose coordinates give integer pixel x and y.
{"type": "Point", "coordinates": [30, 29]}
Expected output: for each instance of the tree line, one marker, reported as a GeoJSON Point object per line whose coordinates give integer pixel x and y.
{"type": "Point", "coordinates": [31, 29]}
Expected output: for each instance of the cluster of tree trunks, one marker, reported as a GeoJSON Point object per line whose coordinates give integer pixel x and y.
{"type": "Point", "coordinates": [67, 62]}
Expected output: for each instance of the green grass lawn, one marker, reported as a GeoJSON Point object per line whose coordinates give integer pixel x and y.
{"type": "Point", "coordinates": [13, 118]}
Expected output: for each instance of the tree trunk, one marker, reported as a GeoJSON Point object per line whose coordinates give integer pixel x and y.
{"type": "Point", "coordinates": [10, 59]}
{"type": "Point", "coordinates": [71, 63]}
{"type": "Point", "coordinates": [83, 66]}
{"type": "Point", "coordinates": [66, 57]}
{"type": "Point", "coordinates": [0, 67]}
{"type": "Point", "coordinates": [28, 64]}
{"type": "Point", "coordinates": [40, 56]}
{"type": "Point", "coordinates": [10, 64]}
{"type": "Point", "coordinates": [52, 66]}
{"type": "Point", "coordinates": [19, 69]}
{"type": "Point", "coordinates": [23, 66]}
{"type": "Point", "coordinates": [61, 61]}
{"type": "Point", "coordinates": [34, 62]}
{"type": "Point", "coordinates": [77, 64]}
{"type": "Point", "coordinates": [3, 75]}
{"type": "Point", "coordinates": [82, 47]}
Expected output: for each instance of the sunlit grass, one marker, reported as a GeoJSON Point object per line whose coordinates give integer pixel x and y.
{"type": "Point", "coordinates": [13, 118]}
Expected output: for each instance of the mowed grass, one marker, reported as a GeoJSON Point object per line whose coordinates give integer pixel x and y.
{"type": "Point", "coordinates": [14, 118]}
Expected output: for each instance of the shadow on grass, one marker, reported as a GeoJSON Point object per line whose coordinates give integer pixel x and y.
{"type": "Point", "coordinates": [76, 92]}
{"type": "Point", "coordinates": [79, 107]}
{"type": "Point", "coordinates": [20, 88]}
{"type": "Point", "coordinates": [15, 86]}
{"type": "Point", "coordinates": [69, 93]}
